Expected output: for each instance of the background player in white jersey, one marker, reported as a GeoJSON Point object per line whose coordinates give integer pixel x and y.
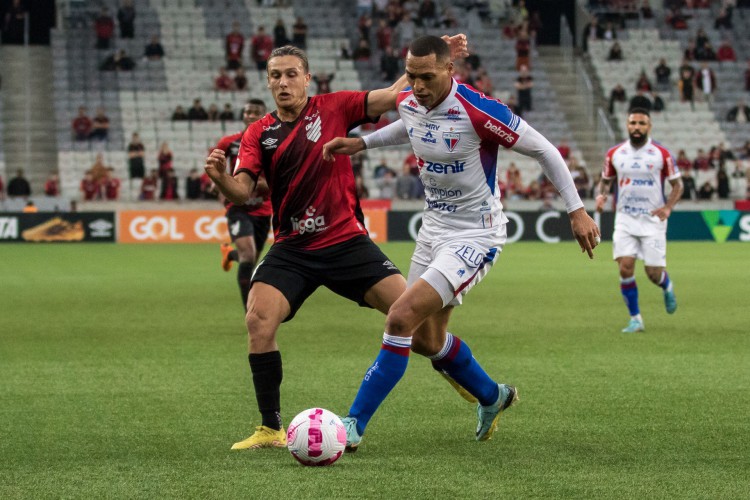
{"type": "Point", "coordinates": [641, 165]}
{"type": "Point", "coordinates": [455, 132]}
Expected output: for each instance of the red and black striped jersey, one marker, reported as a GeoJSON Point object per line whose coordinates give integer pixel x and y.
{"type": "Point", "coordinates": [314, 201]}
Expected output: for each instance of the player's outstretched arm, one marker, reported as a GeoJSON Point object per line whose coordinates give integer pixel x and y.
{"type": "Point", "coordinates": [390, 135]}
{"type": "Point", "coordinates": [382, 100]}
{"type": "Point", "coordinates": [237, 190]}
{"type": "Point", "coordinates": [675, 195]}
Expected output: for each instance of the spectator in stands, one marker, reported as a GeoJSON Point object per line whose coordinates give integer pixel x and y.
{"type": "Point", "coordinates": [615, 52]}
{"type": "Point", "coordinates": [663, 74]}
{"type": "Point", "coordinates": [179, 114]}
{"type": "Point", "coordinates": [427, 13]}
{"type": "Point", "coordinates": [111, 185]}
{"type": "Point", "coordinates": [169, 186]}
{"type": "Point", "coordinates": [344, 52]}
{"type": "Point", "coordinates": [208, 190]}
{"type": "Point", "coordinates": [390, 64]}
{"type": "Point", "coordinates": [617, 95]}
{"type": "Point", "coordinates": [659, 104]}
{"type": "Point", "coordinates": [524, 84]}
{"type": "Point", "coordinates": [19, 187]}
{"type": "Point", "coordinates": [580, 178]}
{"type": "Point", "coordinates": [514, 187]}
{"type": "Point", "coordinates": [534, 191]}
{"type": "Point", "coordinates": [223, 82]}
{"type": "Point", "coordinates": [213, 113]}
{"type": "Point", "coordinates": [227, 114]}
{"type": "Point", "coordinates": [646, 11]}
{"type": "Point", "coordinates": [81, 125]}
{"type": "Point", "coordinates": [707, 53]}
{"type": "Point", "coordinates": [564, 149]}
{"type": "Point", "coordinates": [726, 52]}
{"type": "Point", "coordinates": [383, 35]}
{"type": "Point", "coordinates": [747, 76]}
{"type": "Point", "coordinates": [261, 47]}
{"type": "Point", "coordinates": [126, 18]}
{"type": "Point", "coordinates": [362, 52]}
{"type": "Point", "coordinates": [89, 187]}
{"type": "Point", "coordinates": [12, 27]}
{"type": "Point", "coordinates": [52, 185]}
{"type": "Point", "coordinates": [119, 61]}
{"type": "Point", "coordinates": [280, 37]}
{"type": "Point", "coordinates": [154, 50]}
{"type": "Point", "coordinates": [683, 162]}
{"type": "Point", "coordinates": [381, 168]}
{"type": "Point", "coordinates": [744, 151]}
{"type": "Point", "coordinates": [299, 33]}
{"type": "Point", "coordinates": [100, 129]}
{"type": "Point", "coordinates": [136, 157]}
{"type": "Point", "coordinates": [104, 26]}
{"type": "Point", "coordinates": [234, 42]}
{"type": "Point", "coordinates": [701, 161]}
{"type": "Point", "coordinates": [387, 185]}
{"type": "Point", "coordinates": [149, 186]}
{"type": "Point", "coordinates": [725, 153]}
{"type": "Point", "coordinates": [705, 80]}
{"type": "Point", "coordinates": [676, 19]}
{"type": "Point", "coordinates": [483, 82]}
{"type": "Point", "coordinates": [592, 31]}
{"type": "Point", "coordinates": [512, 104]}
{"type": "Point", "coordinates": [688, 185]}
{"type": "Point", "coordinates": [640, 100]}
{"type": "Point", "coordinates": [364, 24]}
{"type": "Point", "coordinates": [723, 21]}
{"type": "Point", "coordinates": [99, 169]}
{"type": "Point", "coordinates": [701, 39]}
{"type": "Point", "coordinates": [691, 52]}
{"type": "Point", "coordinates": [2, 189]}
{"type": "Point", "coordinates": [722, 184]}
{"type": "Point", "coordinates": [323, 82]}
{"type": "Point", "coordinates": [164, 159]}
{"type": "Point", "coordinates": [30, 207]}
{"type": "Point", "coordinates": [523, 50]}
{"type": "Point", "coordinates": [240, 80]}
{"type": "Point", "coordinates": [739, 113]}
{"type": "Point", "coordinates": [197, 112]}
{"type": "Point", "coordinates": [686, 84]}
{"type": "Point", "coordinates": [406, 183]}
{"type": "Point", "coordinates": [610, 33]}
{"type": "Point", "coordinates": [643, 84]}
{"type": "Point", "coordinates": [193, 185]}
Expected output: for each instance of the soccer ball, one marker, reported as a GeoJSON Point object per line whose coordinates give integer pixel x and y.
{"type": "Point", "coordinates": [316, 437]}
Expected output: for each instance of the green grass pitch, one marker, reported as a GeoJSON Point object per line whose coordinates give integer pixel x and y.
{"type": "Point", "coordinates": [123, 374]}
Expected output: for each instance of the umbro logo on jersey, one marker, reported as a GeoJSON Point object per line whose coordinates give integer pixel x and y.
{"type": "Point", "coordinates": [314, 130]}
{"type": "Point", "coordinates": [270, 143]}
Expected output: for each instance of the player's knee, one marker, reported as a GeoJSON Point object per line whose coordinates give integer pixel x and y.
{"type": "Point", "coordinates": [398, 322]}
{"type": "Point", "coordinates": [258, 328]}
{"type": "Point", "coordinates": [425, 346]}
{"type": "Point", "coordinates": [654, 275]}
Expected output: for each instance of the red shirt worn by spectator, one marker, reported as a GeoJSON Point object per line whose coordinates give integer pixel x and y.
{"type": "Point", "coordinates": [112, 188]}
{"type": "Point", "coordinates": [564, 150]}
{"type": "Point", "coordinates": [89, 188]}
{"type": "Point", "coordinates": [82, 126]}
{"type": "Point", "coordinates": [223, 82]}
{"type": "Point", "coordinates": [105, 27]}
{"type": "Point", "coordinates": [726, 53]}
{"type": "Point", "coordinates": [262, 45]}
{"type": "Point", "coordinates": [51, 187]}
{"type": "Point", "coordinates": [148, 187]}
{"type": "Point", "coordinates": [235, 42]}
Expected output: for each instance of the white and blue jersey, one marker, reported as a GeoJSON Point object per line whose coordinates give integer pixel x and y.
{"type": "Point", "coordinates": [456, 144]}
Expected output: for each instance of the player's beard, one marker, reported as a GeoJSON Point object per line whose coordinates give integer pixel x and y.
{"type": "Point", "coordinates": [638, 140]}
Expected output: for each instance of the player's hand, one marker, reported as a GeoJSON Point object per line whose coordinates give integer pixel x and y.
{"type": "Point", "coordinates": [585, 230]}
{"type": "Point", "coordinates": [458, 45]}
{"type": "Point", "coordinates": [662, 213]}
{"type": "Point", "coordinates": [216, 164]}
{"type": "Point", "coordinates": [342, 146]}
{"type": "Point", "coordinates": [600, 201]}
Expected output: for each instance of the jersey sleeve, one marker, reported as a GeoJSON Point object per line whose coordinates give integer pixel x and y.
{"type": "Point", "coordinates": [352, 105]}
{"type": "Point", "coordinates": [669, 167]}
{"type": "Point", "coordinates": [493, 121]}
{"type": "Point", "coordinates": [250, 157]}
{"type": "Point", "coordinates": [608, 172]}
{"type": "Point", "coordinates": [223, 144]}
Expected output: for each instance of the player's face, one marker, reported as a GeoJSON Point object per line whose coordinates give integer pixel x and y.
{"type": "Point", "coordinates": [287, 81]}
{"type": "Point", "coordinates": [639, 127]}
{"type": "Point", "coordinates": [429, 79]}
{"type": "Point", "coordinates": [251, 113]}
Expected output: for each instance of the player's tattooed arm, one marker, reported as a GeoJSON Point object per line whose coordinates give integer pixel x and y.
{"type": "Point", "coordinates": [675, 195]}
{"type": "Point", "coordinates": [603, 189]}
{"type": "Point", "coordinates": [382, 100]}
{"type": "Point", "coordinates": [236, 189]}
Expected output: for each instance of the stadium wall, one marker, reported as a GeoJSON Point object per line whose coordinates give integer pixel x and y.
{"type": "Point", "coordinates": [209, 226]}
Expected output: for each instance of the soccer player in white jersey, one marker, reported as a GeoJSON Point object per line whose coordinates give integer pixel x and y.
{"type": "Point", "coordinates": [456, 132]}
{"type": "Point", "coordinates": [641, 165]}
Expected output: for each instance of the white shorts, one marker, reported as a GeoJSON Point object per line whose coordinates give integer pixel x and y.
{"type": "Point", "coordinates": [454, 264]}
{"type": "Point", "coordinates": [651, 249]}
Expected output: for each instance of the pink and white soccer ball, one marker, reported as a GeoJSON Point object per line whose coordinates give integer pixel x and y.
{"type": "Point", "coordinates": [316, 437]}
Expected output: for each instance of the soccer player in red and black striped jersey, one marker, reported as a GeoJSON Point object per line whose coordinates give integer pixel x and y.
{"type": "Point", "coordinates": [248, 223]}
{"type": "Point", "coordinates": [319, 232]}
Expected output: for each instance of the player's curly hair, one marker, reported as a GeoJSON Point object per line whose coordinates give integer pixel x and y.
{"type": "Point", "coordinates": [291, 50]}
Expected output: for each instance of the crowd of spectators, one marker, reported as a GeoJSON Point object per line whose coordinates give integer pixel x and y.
{"type": "Point", "coordinates": [84, 128]}
{"type": "Point", "coordinates": [197, 112]}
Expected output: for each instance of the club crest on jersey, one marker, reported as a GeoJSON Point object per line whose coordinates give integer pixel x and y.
{"type": "Point", "coordinates": [314, 130]}
{"type": "Point", "coordinates": [451, 140]}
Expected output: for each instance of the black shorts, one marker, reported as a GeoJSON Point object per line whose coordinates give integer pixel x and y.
{"type": "Point", "coordinates": [348, 269]}
{"type": "Point", "coordinates": [242, 224]}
